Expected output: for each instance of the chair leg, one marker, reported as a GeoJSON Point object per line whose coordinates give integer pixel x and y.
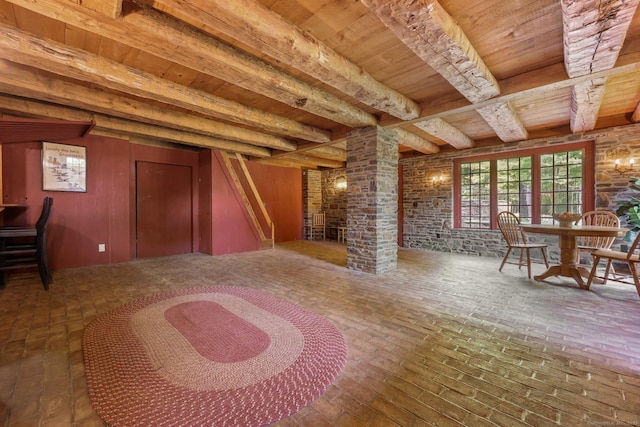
{"type": "Point", "coordinates": [504, 260]}
{"type": "Point", "coordinates": [596, 261]}
{"type": "Point", "coordinates": [544, 256]}
{"type": "Point", "coordinates": [606, 272]}
{"type": "Point", "coordinates": [520, 261]}
{"type": "Point", "coordinates": [634, 272]}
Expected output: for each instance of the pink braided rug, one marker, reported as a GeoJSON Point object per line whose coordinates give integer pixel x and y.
{"type": "Point", "coordinates": [210, 356]}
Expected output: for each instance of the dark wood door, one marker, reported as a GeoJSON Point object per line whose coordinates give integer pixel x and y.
{"type": "Point", "coordinates": [163, 209]}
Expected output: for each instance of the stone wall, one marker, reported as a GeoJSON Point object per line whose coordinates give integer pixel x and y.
{"type": "Point", "coordinates": [334, 198]}
{"type": "Point", "coordinates": [311, 197]}
{"type": "Point", "coordinates": [428, 205]}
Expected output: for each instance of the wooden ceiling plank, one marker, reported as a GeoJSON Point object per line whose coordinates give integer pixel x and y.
{"type": "Point", "coordinates": [25, 48]}
{"type": "Point", "coordinates": [411, 140]}
{"type": "Point", "coordinates": [166, 38]}
{"type": "Point", "coordinates": [22, 82]}
{"type": "Point", "coordinates": [269, 33]}
{"type": "Point", "coordinates": [586, 99]}
{"type": "Point", "coordinates": [504, 120]}
{"type": "Point", "coordinates": [450, 134]}
{"type": "Point", "coordinates": [122, 127]}
{"type": "Point", "coordinates": [429, 31]}
{"type": "Point", "coordinates": [594, 32]}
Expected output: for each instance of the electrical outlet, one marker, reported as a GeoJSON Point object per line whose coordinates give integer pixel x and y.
{"type": "Point", "coordinates": [101, 247]}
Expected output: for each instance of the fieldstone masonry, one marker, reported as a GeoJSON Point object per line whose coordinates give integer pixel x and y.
{"type": "Point", "coordinates": [428, 205]}
{"type": "Point", "coordinates": [311, 197]}
{"type": "Point", "coordinates": [372, 194]}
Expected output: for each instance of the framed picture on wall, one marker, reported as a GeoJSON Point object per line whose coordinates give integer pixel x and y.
{"type": "Point", "coordinates": [64, 167]}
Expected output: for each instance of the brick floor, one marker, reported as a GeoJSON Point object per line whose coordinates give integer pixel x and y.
{"type": "Point", "coordinates": [443, 340]}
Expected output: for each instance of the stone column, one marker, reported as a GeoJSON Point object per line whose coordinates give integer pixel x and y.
{"type": "Point", "coordinates": [311, 197]}
{"type": "Point", "coordinates": [372, 194]}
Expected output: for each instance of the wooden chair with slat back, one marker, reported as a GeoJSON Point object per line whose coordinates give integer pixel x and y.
{"type": "Point", "coordinates": [600, 219]}
{"type": "Point", "coordinates": [631, 258]}
{"type": "Point", "coordinates": [318, 225]}
{"type": "Point", "coordinates": [515, 238]}
{"type": "Point", "coordinates": [590, 243]}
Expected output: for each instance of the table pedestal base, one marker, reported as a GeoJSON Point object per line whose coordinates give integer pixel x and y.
{"type": "Point", "coordinates": [576, 272]}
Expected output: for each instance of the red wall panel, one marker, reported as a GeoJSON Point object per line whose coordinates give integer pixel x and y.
{"type": "Point", "coordinates": [281, 190]}
{"type": "Point", "coordinates": [231, 227]}
{"type": "Point", "coordinates": [106, 213]}
{"type": "Point", "coordinates": [79, 221]}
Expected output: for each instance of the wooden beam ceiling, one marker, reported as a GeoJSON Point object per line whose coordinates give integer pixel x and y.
{"type": "Point", "coordinates": [19, 81]}
{"type": "Point", "coordinates": [278, 75]}
{"type": "Point", "coordinates": [429, 31]}
{"type": "Point", "coordinates": [122, 127]}
{"type": "Point", "coordinates": [167, 38]}
{"type": "Point", "coordinates": [48, 55]}
{"type": "Point", "coordinates": [594, 33]}
{"type": "Point", "coordinates": [269, 33]}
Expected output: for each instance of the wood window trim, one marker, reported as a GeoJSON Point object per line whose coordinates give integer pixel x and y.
{"type": "Point", "coordinates": [588, 164]}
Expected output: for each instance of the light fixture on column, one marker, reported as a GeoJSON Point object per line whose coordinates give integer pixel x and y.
{"type": "Point", "coordinates": [623, 167]}
{"type": "Point", "coordinates": [341, 183]}
{"type": "Point", "coordinates": [436, 180]}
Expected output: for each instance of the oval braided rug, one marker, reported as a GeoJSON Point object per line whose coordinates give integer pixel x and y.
{"type": "Point", "coordinates": [210, 356]}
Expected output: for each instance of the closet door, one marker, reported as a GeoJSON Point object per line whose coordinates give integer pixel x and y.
{"type": "Point", "coordinates": [164, 219]}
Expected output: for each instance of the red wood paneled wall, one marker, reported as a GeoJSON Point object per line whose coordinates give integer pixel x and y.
{"type": "Point", "coordinates": [106, 213]}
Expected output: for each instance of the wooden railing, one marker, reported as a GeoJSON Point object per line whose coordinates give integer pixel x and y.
{"type": "Point", "coordinates": [247, 202]}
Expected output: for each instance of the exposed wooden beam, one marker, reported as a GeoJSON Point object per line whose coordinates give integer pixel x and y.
{"type": "Point", "coordinates": [450, 134]}
{"type": "Point", "coordinates": [532, 84]}
{"type": "Point", "coordinates": [283, 162]}
{"type": "Point", "coordinates": [586, 99]}
{"type": "Point", "coordinates": [269, 33]}
{"type": "Point", "coordinates": [307, 159]}
{"type": "Point", "coordinates": [594, 32]}
{"type": "Point", "coordinates": [121, 128]}
{"type": "Point", "coordinates": [429, 31]}
{"type": "Point", "coordinates": [504, 120]}
{"type": "Point", "coordinates": [25, 48]}
{"type": "Point", "coordinates": [635, 117]}
{"type": "Point", "coordinates": [20, 81]}
{"type": "Point", "coordinates": [174, 41]}
{"type": "Point", "coordinates": [415, 142]}
{"type": "Point", "coordinates": [110, 8]}
{"type": "Point", "coordinates": [331, 153]}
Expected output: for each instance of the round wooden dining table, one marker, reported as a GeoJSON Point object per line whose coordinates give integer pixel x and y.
{"type": "Point", "coordinates": [568, 236]}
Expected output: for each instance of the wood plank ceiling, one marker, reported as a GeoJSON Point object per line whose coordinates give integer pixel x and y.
{"type": "Point", "coordinates": [284, 81]}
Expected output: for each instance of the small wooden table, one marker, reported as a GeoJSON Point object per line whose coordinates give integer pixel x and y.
{"type": "Point", "coordinates": [568, 266]}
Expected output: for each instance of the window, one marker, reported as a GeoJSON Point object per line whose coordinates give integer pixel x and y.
{"type": "Point", "coordinates": [534, 184]}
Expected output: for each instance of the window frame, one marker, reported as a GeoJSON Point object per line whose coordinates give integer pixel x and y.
{"type": "Point", "coordinates": [588, 178]}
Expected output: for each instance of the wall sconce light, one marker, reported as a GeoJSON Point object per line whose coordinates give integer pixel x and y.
{"type": "Point", "coordinates": [437, 180]}
{"type": "Point", "coordinates": [623, 168]}
{"type": "Point", "coordinates": [341, 183]}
